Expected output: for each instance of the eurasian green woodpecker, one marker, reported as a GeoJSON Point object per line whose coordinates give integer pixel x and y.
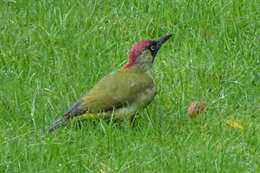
{"type": "Point", "coordinates": [119, 94]}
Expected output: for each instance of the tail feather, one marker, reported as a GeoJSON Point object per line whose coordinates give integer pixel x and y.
{"type": "Point", "coordinates": [62, 121]}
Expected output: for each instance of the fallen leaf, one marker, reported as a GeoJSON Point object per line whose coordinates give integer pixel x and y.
{"type": "Point", "coordinates": [195, 108]}
{"type": "Point", "coordinates": [234, 124]}
{"type": "Point", "coordinates": [103, 171]}
{"type": "Point", "coordinates": [205, 33]}
{"type": "Point", "coordinates": [218, 147]}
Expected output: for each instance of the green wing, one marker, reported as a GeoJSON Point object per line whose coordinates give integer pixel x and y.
{"type": "Point", "coordinates": [113, 91]}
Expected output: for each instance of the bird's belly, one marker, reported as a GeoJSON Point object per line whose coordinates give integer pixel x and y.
{"type": "Point", "coordinates": [140, 102]}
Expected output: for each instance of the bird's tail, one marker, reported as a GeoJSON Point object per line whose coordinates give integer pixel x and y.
{"type": "Point", "coordinates": [62, 121]}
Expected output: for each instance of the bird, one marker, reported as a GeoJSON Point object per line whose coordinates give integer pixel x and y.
{"type": "Point", "coordinates": [121, 93]}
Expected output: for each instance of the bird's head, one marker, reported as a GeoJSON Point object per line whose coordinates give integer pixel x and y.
{"type": "Point", "coordinates": [142, 53]}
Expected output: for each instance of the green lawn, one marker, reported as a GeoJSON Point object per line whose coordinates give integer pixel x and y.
{"type": "Point", "coordinates": [53, 51]}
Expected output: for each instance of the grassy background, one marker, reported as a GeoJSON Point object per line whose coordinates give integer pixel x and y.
{"type": "Point", "coordinates": [52, 51]}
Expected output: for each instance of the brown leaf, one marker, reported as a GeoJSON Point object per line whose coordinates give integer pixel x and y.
{"type": "Point", "coordinates": [195, 108]}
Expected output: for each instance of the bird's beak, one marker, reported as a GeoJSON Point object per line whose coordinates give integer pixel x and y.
{"type": "Point", "coordinates": [162, 40]}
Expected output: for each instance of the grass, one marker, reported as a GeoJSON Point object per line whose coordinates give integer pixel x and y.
{"type": "Point", "coordinates": [52, 52]}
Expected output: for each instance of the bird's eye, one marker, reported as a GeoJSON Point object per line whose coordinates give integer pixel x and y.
{"type": "Point", "coordinates": [153, 48]}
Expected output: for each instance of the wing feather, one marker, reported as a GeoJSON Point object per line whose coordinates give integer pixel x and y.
{"type": "Point", "coordinates": [113, 91]}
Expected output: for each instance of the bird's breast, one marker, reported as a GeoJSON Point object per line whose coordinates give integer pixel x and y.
{"type": "Point", "coordinates": [147, 96]}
